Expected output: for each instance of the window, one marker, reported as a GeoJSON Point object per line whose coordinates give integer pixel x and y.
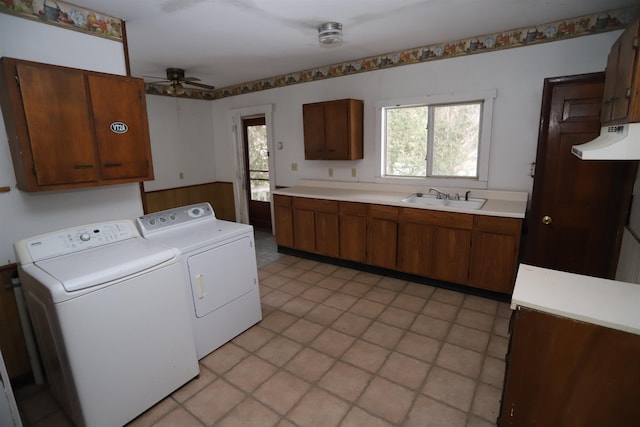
{"type": "Point", "coordinates": [444, 138]}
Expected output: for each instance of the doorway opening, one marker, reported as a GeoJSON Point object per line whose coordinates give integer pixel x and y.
{"type": "Point", "coordinates": [257, 176]}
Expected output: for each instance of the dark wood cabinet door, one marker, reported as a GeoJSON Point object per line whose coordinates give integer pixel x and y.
{"type": "Point", "coordinates": [450, 254]}
{"type": "Point", "coordinates": [621, 67]}
{"type": "Point", "coordinates": [578, 206]}
{"type": "Point", "coordinates": [60, 128]}
{"type": "Point", "coordinates": [314, 136]}
{"type": "Point", "coordinates": [283, 220]}
{"type": "Point", "coordinates": [562, 372]}
{"type": "Point", "coordinates": [116, 103]}
{"type": "Point", "coordinates": [382, 236]}
{"type": "Point", "coordinates": [304, 230]}
{"type": "Point", "coordinates": [327, 234]}
{"type": "Point", "coordinates": [336, 140]}
{"type": "Point", "coordinates": [353, 231]}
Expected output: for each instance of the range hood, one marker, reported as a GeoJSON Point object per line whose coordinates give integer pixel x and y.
{"type": "Point", "coordinates": [619, 142]}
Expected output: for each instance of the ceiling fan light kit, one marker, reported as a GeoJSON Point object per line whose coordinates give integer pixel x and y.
{"type": "Point", "coordinates": [330, 34]}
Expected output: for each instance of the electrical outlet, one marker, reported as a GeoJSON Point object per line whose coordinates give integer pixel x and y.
{"type": "Point", "coordinates": [181, 175]}
{"type": "Point", "coordinates": [353, 172]}
{"type": "Point", "coordinates": [330, 171]}
{"type": "Point", "coordinates": [294, 167]}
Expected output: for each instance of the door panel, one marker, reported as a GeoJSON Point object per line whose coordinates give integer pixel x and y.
{"type": "Point", "coordinates": [578, 207]}
{"type": "Point", "coordinates": [257, 172]}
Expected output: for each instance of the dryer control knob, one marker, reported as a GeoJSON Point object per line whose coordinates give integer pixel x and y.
{"type": "Point", "coordinates": [85, 237]}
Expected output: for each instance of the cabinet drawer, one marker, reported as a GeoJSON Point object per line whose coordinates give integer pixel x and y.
{"type": "Point", "coordinates": [497, 224]}
{"type": "Point", "coordinates": [438, 218]}
{"type": "Point", "coordinates": [351, 208]}
{"type": "Point", "coordinates": [317, 205]}
{"type": "Point", "coordinates": [384, 212]}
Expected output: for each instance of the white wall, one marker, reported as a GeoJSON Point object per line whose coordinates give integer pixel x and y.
{"type": "Point", "coordinates": [517, 75]}
{"type": "Point", "coordinates": [24, 214]}
{"type": "Point", "coordinates": [181, 142]}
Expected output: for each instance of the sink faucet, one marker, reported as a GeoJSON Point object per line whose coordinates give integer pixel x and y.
{"type": "Point", "coordinates": [439, 194]}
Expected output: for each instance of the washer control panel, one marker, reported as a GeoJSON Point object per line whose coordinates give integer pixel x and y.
{"type": "Point", "coordinates": [175, 217]}
{"type": "Point", "coordinates": [77, 239]}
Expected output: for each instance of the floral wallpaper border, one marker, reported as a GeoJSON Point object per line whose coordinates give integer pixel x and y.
{"type": "Point", "coordinates": [543, 33]}
{"type": "Point", "coordinates": [65, 15]}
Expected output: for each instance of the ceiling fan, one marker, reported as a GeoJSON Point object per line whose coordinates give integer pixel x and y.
{"type": "Point", "coordinates": [176, 79]}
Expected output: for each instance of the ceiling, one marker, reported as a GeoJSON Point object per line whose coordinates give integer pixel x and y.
{"type": "Point", "coordinates": [228, 42]}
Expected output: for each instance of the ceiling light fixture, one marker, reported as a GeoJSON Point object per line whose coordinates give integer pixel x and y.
{"type": "Point", "coordinates": [175, 88]}
{"type": "Point", "coordinates": [330, 34]}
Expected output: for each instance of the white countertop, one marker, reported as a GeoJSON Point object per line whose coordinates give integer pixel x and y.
{"type": "Point", "coordinates": [589, 299]}
{"type": "Point", "coordinates": [512, 204]}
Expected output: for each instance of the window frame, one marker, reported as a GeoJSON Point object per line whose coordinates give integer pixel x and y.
{"type": "Point", "coordinates": [484, 144]}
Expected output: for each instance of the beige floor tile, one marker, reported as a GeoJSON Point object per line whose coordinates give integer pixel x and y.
{"type": "Point", "coordinates": [316, 293]}
{"type": "Point", "coordinates": [501, 327]}
{"type": "Point", "coordinates": [303, 331]}
{"type": "Point", "coordinates": [419, 346]}
{"type": "Point", "coordinates": [310, 364]}
{"type": "Point", "coordinates": [345, 273]}
{"type": "Point", "coordinates": [205, 378]}
{"type": "Point", "coordinates": [367, 278]}
{"type": "Point", "coordinates": [356, 289]}
{"type": "Point", "coordinates": [275, 267]}
{"type": "Point", "coordinates": [409, 303]}
{"type": "Point", "coordinates": [178, 417]}
{"type": "Point", "coordinates": [461, 360]}
{"type": "Point", "coordinates": [504, 310]}
{"type": "Point", "coordinates": [253, 338]}
{"type": "Point", "coordinates": [332, 282]}
{"type": "Point", "coordinates": [419, 290]}
{"type": "Point", "coordinates": [278, 321]}
{"type": "Point", "coordinates": [367, 308]}
{"type": "Point", "coordinates": [311, 277]}
{"type": "Point", "coordinates": [332, 342]}
{"type": "Point", "coordinates": [279, 350]}
{"type": "Point", "coordinates": [431, 327]}
{"type": "Point", "coordinates": [307, 264]}
{"type": "Point", "coordinates": [427, 412]}
{"type": "Point", "coordinates": [294, 287]}
{"type": "Point", "coordinates": [276, 298]}
{"type": "Point", "coordinates": [486, 403]}
{"type": "Point", "coordinates": [475, 319]}
{"type": "Point", "coordinates": [213, 401]}
{"type": "Point", "coordinates": [404, 370]}
{"type": "Point", "coordinates": [319, 409]}
{"type": "Point", "coordinates": [493, 371]}
{"type": "Point", "coordinates": [470, 338]}
{"type": "Point", "coordinates": [286, 423]}
{"type": "Point", "coordinates": [382, 296]}
{"type": "Point", "coordinates": [392, 284]}
{"type": "Point", "coordinates": [397, 317]}
{"type": "Point", "coordinates": [440, 310]}
{"type": "Point", "coordinates": [326, 269]}
{"type": "Point", "coordinates": [282, 391]}
{"type": "Point", "coordinates": [298, 306]}
{"type": "Point", "coordinates": [275, 281]}
{"type": "Point", "coordinates": [498, 346]}
{"type": "Point", "coordinates": [224, 358]}
{"type": "Point", "coordinates": [366, 356]}
{"type": "Point", "coordinates": [345, 381]}
{"type": "Point", "coordinates": [483, 305]}
{"type": "Point", "coordinates": [448, 296]}
{"type": "Point", "coordinates": [451, 388]}
{"type": "Point", "coordinates": [387, 400]}
{"type": "Point", "coordinates": [359, 418]}
{"type": "Point", "coordinates": [292, 272]}
{"type": "Point", "coordinates": [474, 421]}
{"type": "Point", "coordinates": [250, 373]}
{"type": "Point", "coordinates": [351, 324]}
{"type": "Point", "coordinates": [249, 412]}
{"type": "Point", "coordinates": [340, 301]}
{"type": "Point", "coordinates": [384, 335]}
{"type": "Point", "coordinates": [154, 413]}
{"type": "Point", "coordinates": [323, 314]}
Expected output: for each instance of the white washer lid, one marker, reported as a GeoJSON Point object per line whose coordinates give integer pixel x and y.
{"type": "Point", "coordinates": [103, 264]}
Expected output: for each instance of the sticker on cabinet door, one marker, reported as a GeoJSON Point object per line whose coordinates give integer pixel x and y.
{"type": "Point", "coordinates": [119, 127]}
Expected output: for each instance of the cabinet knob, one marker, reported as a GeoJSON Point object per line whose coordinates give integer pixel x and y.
{"type": "Point", "coordinates": [546, 220]}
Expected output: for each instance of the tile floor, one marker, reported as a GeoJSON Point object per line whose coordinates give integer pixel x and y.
{"type": "Point", "coordinates": [338, 347]}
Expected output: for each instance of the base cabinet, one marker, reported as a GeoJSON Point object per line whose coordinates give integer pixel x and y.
{"type": "Point", "coordinates": [465, 249]}
{"type": "Point", "coordinates": [562, 372]}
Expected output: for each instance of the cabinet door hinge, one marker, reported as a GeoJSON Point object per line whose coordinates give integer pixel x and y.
{"type": "Point", "coordinates": [636, 42]}
{"type": "Point", "coordinates": [17, 80]}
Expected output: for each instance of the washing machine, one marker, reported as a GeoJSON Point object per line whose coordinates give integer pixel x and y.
{"type": "Point", "coordinates": [219, 261]}
{"type": "Point", "coordinates": [111, 319]}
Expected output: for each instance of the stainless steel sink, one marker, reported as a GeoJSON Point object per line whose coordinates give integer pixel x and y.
{"type": "Point", "coordinates": [429, 200]}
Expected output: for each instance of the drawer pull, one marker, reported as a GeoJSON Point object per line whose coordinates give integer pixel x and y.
{"type": "Point", "coordinates": [112, 165]}
{"type": "Point", "coordinates": [83, 166]}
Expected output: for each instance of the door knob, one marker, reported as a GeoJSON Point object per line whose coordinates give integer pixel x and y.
{"type": "Point", "coordinates": [546, 220]}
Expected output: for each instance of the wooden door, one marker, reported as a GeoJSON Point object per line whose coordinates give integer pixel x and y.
{"type": "Point", "coordinates": [120, 120]}
{"type": "Point", "coordinates": [258, 188]}
{"type": "Point", "coordinates": [578, 206]}
{"type": "Point", "coordinates": [60, 125]}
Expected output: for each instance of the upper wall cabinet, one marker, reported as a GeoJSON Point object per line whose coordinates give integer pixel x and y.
{"type": "Point", "coordinates": [70, 128]}
{"type": "Point", "coordinates": [621, 98]}
{"type": "Point", "coordinates": [333, 130]}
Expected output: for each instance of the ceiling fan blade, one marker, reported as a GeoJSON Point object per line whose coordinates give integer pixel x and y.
{"type": "Point", "coordinates": [202, 85]}
{"type": "Point", "coordinates": [190, 79]}
{"type": "Point", "coordinates": [158, 81]}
